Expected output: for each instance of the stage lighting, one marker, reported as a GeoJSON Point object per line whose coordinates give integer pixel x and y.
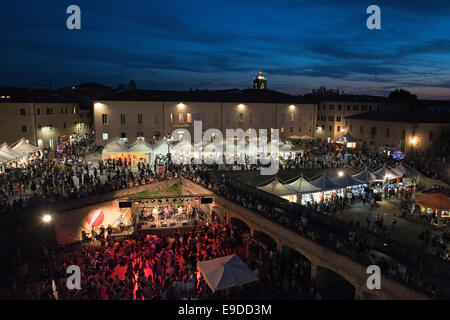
{"type": "Point", "coordinates": [47, 218]}
{"type": "Point", "coordinates": [160, 201]}
{"type": "Point", "coordinates": [174, 200]}
{"type": "Point", "coordinates": [167, 200]}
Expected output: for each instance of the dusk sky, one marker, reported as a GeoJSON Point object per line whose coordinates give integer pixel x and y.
{"type": "Point", "coordinates": [298, 45]}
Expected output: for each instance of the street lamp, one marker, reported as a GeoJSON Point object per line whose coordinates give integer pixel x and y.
{"type": "Point", "coordinates": [47, 218]}
{"type": "Point", "coordinates": [414, 141]}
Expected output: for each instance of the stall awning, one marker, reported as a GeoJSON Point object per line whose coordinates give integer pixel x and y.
{"type": "Point", "coordinates": [347, 180]}
{"type": "Point", "coordinates": [348, 138]}
{"type": "Point", "coordinates": [140, 146]}
{"type": "Point", "coordinates": [405, 171]}
{"type": "Point", "coordinates": [226, 272]}
{"type": "Point", "coordinates": [325, 183]}
{"type": "Point", "coordinates": [22, 146]}
{"type": "Point", "coordinates": [162, 147]}
{"type": "Point", "coordinates": [277, 188]}
{"type": "Point", "coordinates": [301, 185]}
{"type": "Point", "coordinates": [385, 173]}
{"type": "Point", "coordinates": [115, 146]}
{"type": "Point", "coordinates": [366, 176]}
{"type": "Point", "coordinates": [436, 201]}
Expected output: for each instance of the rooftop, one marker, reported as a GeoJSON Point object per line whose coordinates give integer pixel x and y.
{"type": "Point", "coordinates": [410, 117]}
{"type": "Point", "coordinates": [14, 94]}
{"type": "Point", "coordinates": [232, 95]}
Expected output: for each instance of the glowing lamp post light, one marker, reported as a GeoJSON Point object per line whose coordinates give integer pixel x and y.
{"type": "Point", "coordinates": [414, 141]}
{"type": "Point", "coordinates": [340, 173]}
{"type": "Point", "coordinates": [46, 218]}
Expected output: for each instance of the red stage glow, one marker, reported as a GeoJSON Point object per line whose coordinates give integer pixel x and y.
{"type": "Point", "coordinates": [95, 218]}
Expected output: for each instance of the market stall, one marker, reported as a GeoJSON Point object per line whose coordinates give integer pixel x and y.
{"type": "Point", "coordinates": [279, 189]}
{"type": "Point", "coordinates": [437, 205]}
{"type": "Point", "coordinates": [328, 189]}
{"type": "Point", "coordinates": [139, 152]}
{"type": "Point", "coordinates": [348, 140]}
{"type": "Point", "coordinates": [23, 147]}
{"type": "Point", "coordinates": [115, 149]}
{"type": "Point", "coordinates": [354, 187]}
{"type": "Point", "coordinates": [302, 186]}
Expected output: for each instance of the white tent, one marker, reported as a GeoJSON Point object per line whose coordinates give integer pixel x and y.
{"type": "Point", "coordinates": [301, 185]}
{"type": "Point", "coordinates": [5, 148]}
{"type": "Point", "coordinates": [162, 147]}
{"type": "Point", "coordinates": [324, 183]}
{"type": "Point", "coordinates": [226, 272]}
{"type": "Point", "coordinates": [366, 176]}
{"type": "Point", "coordinates": [305, 137]}
{"type": "Point", "coordinates": [139, 151]}
{"type": "Point", "coordinates": [277, 188]}
{"type": "Point", "coordinates": [140, 146]}
{"type": "Point", "coordinates": [347, 180]}
{"type": "Point", "coordinates": [115, 149]}
{"type": "Point", "coordinates": [8, 155]}
{"type": "Point", "coordinates": [405, 171]}
{"type": "Point", "coordinates": [23, 147]}
{"type": "Point", "coordinates": [384, 173]}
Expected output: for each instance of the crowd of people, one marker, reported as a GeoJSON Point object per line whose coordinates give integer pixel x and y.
{"type": "Point", "coordinates": [349, 243]}
{"type": "Point", "coordinates": [162, 268]}
{"type": "Point", "coordinates": [159, 267]}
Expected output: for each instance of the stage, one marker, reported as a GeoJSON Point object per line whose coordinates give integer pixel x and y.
{"type": "Point", "coordinates": [128, 217]}
{"type": "Point", "coordinates": [163, 213]}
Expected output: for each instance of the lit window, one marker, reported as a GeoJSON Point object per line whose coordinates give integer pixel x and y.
{"type": "Point", "coordinates": [180, 117]}
{"type": "Point", "coordinates": [104, 119]}
{"type": "Point", "coordinates": [189, 117]}
{"type": "Point", "coordinates": [105, 136]}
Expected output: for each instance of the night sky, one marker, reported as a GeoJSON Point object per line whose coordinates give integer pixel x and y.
{"type": "Point", "coordinates": [298, 45]}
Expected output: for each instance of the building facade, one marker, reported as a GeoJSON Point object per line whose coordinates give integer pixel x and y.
{"type": "Point", "coordinates": [40, 123]}
{"type": "Point", "coordinates": [332, 111]}
{"type": "Point", "coordinates": [152, 114]}
{"type": "Point", "coordinates": [413, 133]}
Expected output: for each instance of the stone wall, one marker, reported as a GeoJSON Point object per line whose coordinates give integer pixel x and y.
{"type": "Point", "coordinates": [319, 256]}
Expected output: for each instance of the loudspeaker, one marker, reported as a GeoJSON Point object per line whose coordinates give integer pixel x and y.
{"type": "Point", "coordinates": [173, 224]}
{"type": "Point", "coordinates": [163, 224]}
{"type": "Point", "coordinates": [206, 200]}
{"type": "Point", "coordinates": [125, 204]}
{"type": "Point", "coordinates": [153, 226]}
{"type": "Point", "coordinates": [184, 224]}
{"type": "Point", "coordinates": [139, 226]}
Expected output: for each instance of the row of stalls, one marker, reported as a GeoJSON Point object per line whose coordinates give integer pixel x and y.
{"type": "Point", "coordinates": [183, 151]}
{"type": "Point", "coordinates": [345, 184]}
{"type": "Point", "coordinates": [18, 153]}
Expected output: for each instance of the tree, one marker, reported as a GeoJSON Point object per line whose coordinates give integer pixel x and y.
{"type": "Point", "coordinates": [402, 95]}
{"type": "Point", "coordinates": [441, 146]}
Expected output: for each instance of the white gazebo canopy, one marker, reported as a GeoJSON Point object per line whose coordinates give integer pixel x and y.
{"type": "Point", "coordinates": [162, 147]}
{"type": "Point", "coordinates": [140, 146]}
{"type": "Point", "coordinates": [23, 147]}
{"type": "Point", "coordinates": [226, 272]}
{"type": "Point", "coordinates": [115, 146]}
{"type": "Point", "coordinates": [277, 188]}
{"type": "Point", "coordinates": [301, 185]}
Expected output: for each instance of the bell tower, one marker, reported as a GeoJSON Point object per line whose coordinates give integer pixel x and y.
{"type": "Point", "coordinates": [259, 82]}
